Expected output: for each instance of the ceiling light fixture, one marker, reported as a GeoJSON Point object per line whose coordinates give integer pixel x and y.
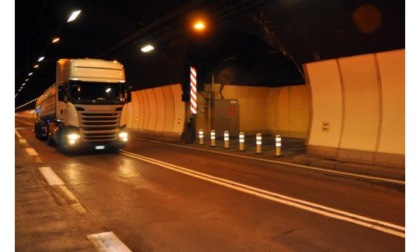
{"type": "Point", "coordinates": [55, 40]}
{"type": "Point", "coordinates": [73, 16]}
{"type": "Point", "coordinates": [199, 26]}
{"type": "Point", "coordinates": [41, 59]}
{"type": "Point", "coordinates": [147, 48]}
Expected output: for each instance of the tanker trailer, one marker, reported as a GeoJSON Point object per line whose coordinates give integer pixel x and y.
{"type": "Point", "coordinates": [84, 108]}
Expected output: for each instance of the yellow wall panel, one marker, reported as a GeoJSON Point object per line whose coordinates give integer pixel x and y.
{"type": "Point", "coordinates": [179, 109]}
{"type": "Point", "coordinates": [327, 103]}
{"type": "Point", "coordinates": [151, 100]}
{"type": "Point", "coordinates": [361, 102]}
{"type": "Point", "coordinates": [252, 106]}
{"type": "Point", "coordinates": [160, 109]}
{"type": "Point", "coordinates": [392, 70]}
{"type": "Point", "coordinates": [130, 112]}
{"type": "Point", "coordinates": [300, 104]}
{"type": "Point", "coordinates": [368, 93]}
{"type": "Point", "coordinates": [168, 109]}
{"type": "Point", "coordinates": [145, 111]}
{"type": "Point", "coordinates": [138, 106]}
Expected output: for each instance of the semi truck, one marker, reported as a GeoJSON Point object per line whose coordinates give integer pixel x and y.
{"type": "Point", "coordinates": [84, 108]}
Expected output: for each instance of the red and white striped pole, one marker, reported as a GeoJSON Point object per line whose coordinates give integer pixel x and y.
{"type": "Point", "coordinates": [193, 90]}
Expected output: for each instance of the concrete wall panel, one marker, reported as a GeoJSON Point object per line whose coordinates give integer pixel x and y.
{"type": "Point", "coordinates": [169, 106]}
{"type": "Point", "coordinates": [392, 71]}
{"type": "Point", "coordinates": [179, 109]}
{"type": "Point", "coordinates": [158, 112]}
{"type": "Point", "coordinates": [361, 102]}
{"type": "Point", "coordinates": [283, 110]}
{"type": "Point", "coordinates": [137, 108]}
{"type": "Point", "coordinates": [299, 111]}
{"type": "Point", "coordinates": [130, 113]}
{"type": "Point", "coordinates": [327, 103]}
{"type": "Point", "coordinates": [151, 100]}
{"type": "Point", "coordinates": [160, 109]}
{"type": "Point", "coordinates": [253, 107]}
{"type": "Point", "coordinates": [145, 111]}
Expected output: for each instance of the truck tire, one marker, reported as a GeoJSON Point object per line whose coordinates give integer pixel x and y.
{"type": "Point", "coordinates": [60, 142]}
{"type": "Point", "coordinates": [50, 139]}
{"type": "Point", "coordinates": [37, 135]}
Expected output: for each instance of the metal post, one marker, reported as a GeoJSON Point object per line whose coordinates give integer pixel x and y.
{"type": "Point", "coordinates": [241, 141]}
{"type": "Point", "coordinates": [278, 145]}
{"type": "Point", "coordinates": [201, 136]}
{"type": "Point", "coordinates": [213, 138]}
{"type": "Point", "coordinates": [226, 138]}
{"type": "Point", "coordinates": [259, 142]}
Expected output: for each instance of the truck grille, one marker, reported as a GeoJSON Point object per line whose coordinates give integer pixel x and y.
{"type": "Point", "coordinates": [99, 126]}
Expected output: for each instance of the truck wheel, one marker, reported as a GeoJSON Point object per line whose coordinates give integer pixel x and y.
{"type": "Point", "coordinates": [36, 131]}
{"type": "Point", "coordinates": [49, 138]}
{"type": "Point", "coordinates": [60, 143]}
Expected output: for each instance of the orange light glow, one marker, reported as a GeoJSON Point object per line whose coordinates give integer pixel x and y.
{"type": "Point", "coordinates": [199, 26]}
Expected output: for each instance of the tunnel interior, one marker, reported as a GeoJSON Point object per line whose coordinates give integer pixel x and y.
{"type": "Point", "coordinates": [256, 43]}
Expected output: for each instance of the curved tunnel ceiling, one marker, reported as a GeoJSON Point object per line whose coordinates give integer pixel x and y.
{"type": "Point", "coordinates": [248, 42]}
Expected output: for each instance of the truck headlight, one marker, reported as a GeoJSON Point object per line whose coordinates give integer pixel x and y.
{"type": "Point", "coordinates": [73, 138]}
{"type": "Point", "coordinates": [123, 136]}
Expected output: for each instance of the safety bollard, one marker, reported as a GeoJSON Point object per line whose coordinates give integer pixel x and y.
{"type": "Point", "coordinates": [226, 138]}
{"type": "Point", "coordinates": [213, 138]}
{"type": "Point", "coordinates": [259, 143]}
{"type": "Point", "coordinates": [201, 136]}
{"type": "Point", "coordinates": [241, 141]}
{"type": "Point", "coordinates": [278, 145]}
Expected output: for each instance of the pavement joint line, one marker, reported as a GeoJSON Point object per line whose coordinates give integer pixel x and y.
{"type": "Point", "coordinates": [394, 181]}
{"type": "Point", "coordinates": [378, 225]}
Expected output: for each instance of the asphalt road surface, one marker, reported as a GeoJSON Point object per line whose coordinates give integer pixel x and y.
{"type": "Point", "coordinates": [155, 196]}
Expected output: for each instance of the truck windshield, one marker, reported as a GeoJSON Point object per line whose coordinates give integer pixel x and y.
{"type": "Point", "coordinates": [97, 92]}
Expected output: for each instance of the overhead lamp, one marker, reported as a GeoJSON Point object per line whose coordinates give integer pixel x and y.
{"type": "Point", "coordinates": [41, 59]}
{"type": "Point", "coordinates": [29, 74]}
{"type": "Point", "coordinates": [55, 40]}
{"type": "Point", "coordinates": [199, 25]}
{"type": "Point", "coordinates": [36, 66]}
{"type": "Point", "coordinates": [147, 48]}
{"type": "Point", "coordinates": [73, 16]}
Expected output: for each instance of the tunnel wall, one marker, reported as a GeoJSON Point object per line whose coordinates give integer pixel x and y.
{"type": "Point", "coordinates": [358, 108]}
{"type": "Point", "coordinates": [281, 110]}
{"type": "Point", "coordinates": [29, 114]}
{"type": "Point", "coordinates": [157, 112]}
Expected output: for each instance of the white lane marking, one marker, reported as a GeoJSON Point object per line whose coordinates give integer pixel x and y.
{"type": "Point", "coordinates": [31, 151]}
{"type": "Point", "coordinates": [394, 181]}
{"type": "Point", "coordinates": [54, 180]}
{"type": "Point", "coordinates": [107, 242]}
{"type": "Point", "coordinates": [283, 199]}
{"type": "Point", "coordinates": [17, 134]}
{"type": "Point", "coordinates": [51, 176]}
